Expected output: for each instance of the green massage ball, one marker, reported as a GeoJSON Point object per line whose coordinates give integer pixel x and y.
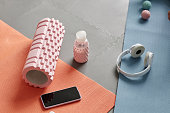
{"type": "Point", "coordinates": [147, 5]}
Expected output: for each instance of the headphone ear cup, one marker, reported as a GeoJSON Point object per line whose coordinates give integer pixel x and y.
{"type": "Point", "coordinates": [148, 59]}
{"type": "Point", "coordinates": [137, 50]}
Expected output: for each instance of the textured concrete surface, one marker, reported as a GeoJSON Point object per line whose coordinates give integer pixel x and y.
{"type": "Point", "coordinates": [103, 20]}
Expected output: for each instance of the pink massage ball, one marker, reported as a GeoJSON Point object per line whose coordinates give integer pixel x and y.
{"type": "Point", "coordinates": [145, 14]}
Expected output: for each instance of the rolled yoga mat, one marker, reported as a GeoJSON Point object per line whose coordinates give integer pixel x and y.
{"type": "Point", "coordinates": [44, 52]}
{"type": "Point", "coordinates": [150, 93]}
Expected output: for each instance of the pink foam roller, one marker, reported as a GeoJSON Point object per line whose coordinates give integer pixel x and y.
{"type": "Point", "coordinates": [43, 55]}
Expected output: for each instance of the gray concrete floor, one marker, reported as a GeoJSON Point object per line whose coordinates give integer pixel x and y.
{"type": "Point", "coordinates": [103, 20]}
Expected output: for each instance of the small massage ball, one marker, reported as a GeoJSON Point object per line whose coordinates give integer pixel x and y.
{"type": "Point", "coordinates": [147, 5]}
{"type": "Point", "coordinates": [145, 14]}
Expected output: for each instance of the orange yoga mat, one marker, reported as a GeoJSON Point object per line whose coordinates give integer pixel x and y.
{"type": "Point", "coordinates": [18, 97]}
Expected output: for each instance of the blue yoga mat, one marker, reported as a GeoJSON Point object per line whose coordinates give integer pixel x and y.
{"type": "Point", "coordinates": [150, 93]}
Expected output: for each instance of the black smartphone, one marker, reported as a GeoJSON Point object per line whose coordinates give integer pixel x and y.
{"type": "Point", "coordinates": [60, 97]}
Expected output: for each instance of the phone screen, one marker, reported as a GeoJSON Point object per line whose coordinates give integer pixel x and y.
{"type": "Point", "coordinates": [60, 97]}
